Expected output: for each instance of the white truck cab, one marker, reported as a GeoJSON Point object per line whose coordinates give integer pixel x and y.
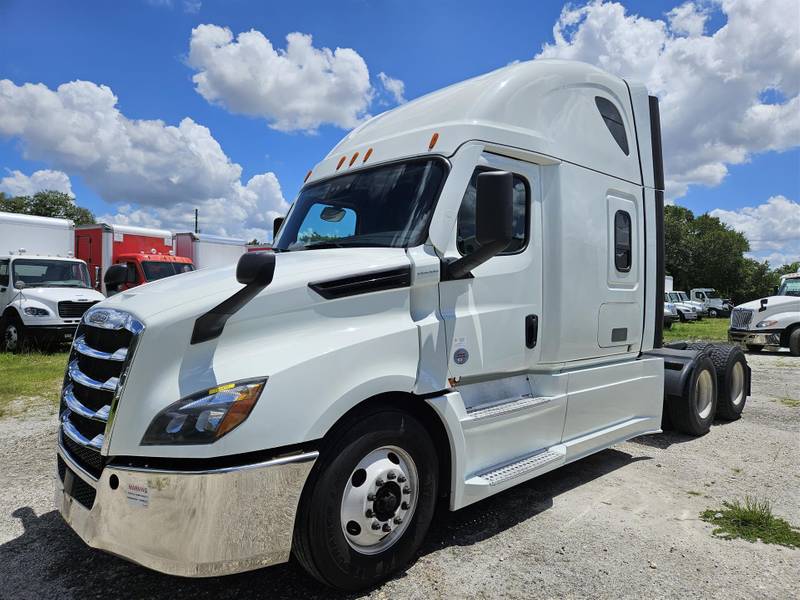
{"type": "Point", "coordinates": [681, 297]}
{"type": "Point", "coordinates": [686, 311]}
{"type": "Point", "coordinates": [466, 293]}
{"type": "Point", "coordinates": [711, 301]}
{"type": "Point", "coordinates": [772, 322]}
{"type": "Point", "coordinates": [44, 291]}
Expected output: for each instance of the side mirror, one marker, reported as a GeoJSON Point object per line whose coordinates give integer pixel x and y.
{"type": "Point", "coordinates": [494, 221]}
{"type": "Point", "coordinates": [97, 277]}
{"type": "Point", "coordinates": [276, 226]}
{"type": "Point", "coordinates": [115, 276]}
{"type": "Point", "coordinates": [255, 270]}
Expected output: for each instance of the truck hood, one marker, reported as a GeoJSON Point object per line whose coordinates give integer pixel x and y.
{"type": "Point", "coordinates": [198, 291]}
{"type": "Point", "coordinates": [54, 295]}
{"type": "Point", "coordinates": [772, 302]}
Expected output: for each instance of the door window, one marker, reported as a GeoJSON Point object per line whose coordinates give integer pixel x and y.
{"type": "Point", "coordinates": [465, 235]}
{"type": "Point", "coordinates": [622, 241]}
{"type": "Point", "coordinates": [4, 273]}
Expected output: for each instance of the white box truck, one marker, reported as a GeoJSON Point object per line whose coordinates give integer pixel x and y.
{"type": "Point", "coordinates": [772, 322]}
{"type": "Point", "coordinates": [466, 293]}
{"type": "Point", "coordinates": [44, 290]}
{"type": "Point", "coordinates": [209, 251]}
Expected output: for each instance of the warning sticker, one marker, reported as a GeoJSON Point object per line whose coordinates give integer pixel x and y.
{"type": "Point", "coordinates": [138, 494]}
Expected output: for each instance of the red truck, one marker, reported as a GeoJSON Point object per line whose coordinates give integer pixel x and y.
{"type": "Point", "coordinates": [148, 253]}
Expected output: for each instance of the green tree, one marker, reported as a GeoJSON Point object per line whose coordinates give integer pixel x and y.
{"type": "Point", "coordinates": [47, 203]}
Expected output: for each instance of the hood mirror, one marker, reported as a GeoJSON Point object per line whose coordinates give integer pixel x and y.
{"type": "Point", "coordinates": [115, 277]}
{"type": "Point", "coordinates": [332, 214]}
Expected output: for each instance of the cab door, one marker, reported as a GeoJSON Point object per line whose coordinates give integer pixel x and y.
{"type": "Point", "coordinates": [492, 317]}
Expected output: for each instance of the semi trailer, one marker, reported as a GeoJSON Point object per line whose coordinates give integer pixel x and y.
{"type": "Point", "coordinates": [147, 254]}
{"type": "Point", "coordinates": [209, 251]}
{"type": "Point", "coordinates": [44, 289]}
{"type": "Point", "coordinates": [772, 323]}
{"type": "Point", "coordinates": [466, 293]}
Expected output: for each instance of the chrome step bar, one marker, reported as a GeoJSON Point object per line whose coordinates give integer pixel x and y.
{"type": "Point", "coordinates": [81, 346]}
{"type": "Point", "coordinates": [79, 377]}
{"type": "Point", "coordinates": [504, 408]}
{"type": "Point", "coordinates": [96, 443]}
{"type": "Point", "coordinates": [521, 467]}
{"type": "Point", "coordinates": [79, 409]}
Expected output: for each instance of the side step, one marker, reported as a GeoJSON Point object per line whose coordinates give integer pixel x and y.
{"type": "Point", "coordinates": [504, 408]}
{"type": "Point", "coordinates": [533, 464]}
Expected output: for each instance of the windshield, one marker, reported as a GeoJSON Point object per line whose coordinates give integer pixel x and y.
{"type": "Point", "coordinates": [711, 294]}
{"type": "Point", "coordinates": [154, 269]}
{"type": "Point", "coordinates": [40, 272]}
{"type": "Point", "coordinates": [789, 287]}
{"type": "Point", "coordinates": [683, 296]}
{"type": "Point", "coordinates": [388, 206]}
{"type": "Point", "coordinates": [674, 297]}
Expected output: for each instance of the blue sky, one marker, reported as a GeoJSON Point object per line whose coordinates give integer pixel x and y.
{"type": "Point", "coordinates": [140, 48]}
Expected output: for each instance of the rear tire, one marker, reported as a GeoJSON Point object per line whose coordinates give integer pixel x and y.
{"type": "Point", "coordinates": [668, 325]}
{"type": "Point", "coordinates": [731, 367]}
{"type": "Point", "coordinates": [794, 342]}
{"type": "Point", "coordinates": [335, 538]}
{"type": "Point", "coordinates": [693, 412]}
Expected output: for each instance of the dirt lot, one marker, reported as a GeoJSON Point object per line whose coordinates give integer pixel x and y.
{"type": "Point", "coordinates": [622, 523]}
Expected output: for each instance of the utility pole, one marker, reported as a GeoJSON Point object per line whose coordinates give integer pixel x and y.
{"type": "Point", "coordinates": [195, 220]}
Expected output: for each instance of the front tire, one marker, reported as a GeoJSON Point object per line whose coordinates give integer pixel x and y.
{"type": "Point", "coordinates": [14, 334]}
{"type": "Point", "coordinates": [794, 342]}
{"type": "Point", "coordinates": [369, 500]}
{"type": "Point", "coordinates": [712, 313]}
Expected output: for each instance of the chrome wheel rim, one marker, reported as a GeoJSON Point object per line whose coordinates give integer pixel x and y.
{"type": "Point", "coordinates": [11, 337]}
{"type": "Point", "coordinates": [704, 394]}
{"type": "Point", "coordinates": [379, 500]}
{"type": "Point", "coordinates": [737, 384]}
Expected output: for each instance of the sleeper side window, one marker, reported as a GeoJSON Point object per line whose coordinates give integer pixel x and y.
{"type": "Point", "coordinates": [622, 241]}
{"type": "Point", "coordinates": [4, 273]}
{"type": "Point", "coordinates": [613, 121]}
{"type": "Point", "coordinates": [465, 233]}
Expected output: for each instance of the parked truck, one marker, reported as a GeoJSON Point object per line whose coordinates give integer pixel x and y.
{"type": "Point", "coordinates": [772, 322]}
{"type": "Point", "coordinates": [209, 251]}
{"type": "Point", "coordinates": [44, 290]}
{"type": "Point", "coordinates": [146, 253]}
{"type": "Point", "coordinates": [415, 335]}
{"type": "Point", "coordinates": [714, 305]}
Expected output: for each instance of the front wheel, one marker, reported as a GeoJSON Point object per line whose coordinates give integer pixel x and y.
{"type": "Point", "coordinates": [14, 335]}
{"type": "Point", "coordinates": [713, 313]}
{"type": "Point", "coordinates": [369, 500]}
{"type": "Point", "coordinates": [794, 342]}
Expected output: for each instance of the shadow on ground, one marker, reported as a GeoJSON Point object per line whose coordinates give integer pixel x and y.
{"type": "Point", "coordinates": [49, 560]}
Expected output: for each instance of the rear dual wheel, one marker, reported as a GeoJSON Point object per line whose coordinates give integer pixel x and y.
{"type": "Point", "coordinates": [693, 412]}
{"type": "Point", "coordinates": [369, 500]}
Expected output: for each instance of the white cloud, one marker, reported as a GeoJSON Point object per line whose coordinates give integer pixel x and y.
{"type": "Point", "coordinates": [395, 87]}
{"type": "Point", "coordinates": [710, 86]}
{"type": "Point", "coordinates": [299, 88]}
{"type": "Point", "coordinates": [192, 6]}
{"type": "Point", "coordinates": [19, 184]}
{"type": "Point", "coordinates": [166, 170]}
{"type": "Point", "coordinates": [772, 228]}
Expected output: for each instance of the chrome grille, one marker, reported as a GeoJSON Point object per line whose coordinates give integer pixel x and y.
{"type": "Point", "coordinates": [740, 318]}
{"type": "Point", "coordinates": [96, 371]}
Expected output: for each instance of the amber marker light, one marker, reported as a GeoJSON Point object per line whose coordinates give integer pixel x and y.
{"type": "Point", "coordinates": [341, 162]}
{"type": "Point", "coordinates": [352, 160]}
{"type": "Point", "coordinates": [367, 155]}
{"type": "Point", "coordinates": [240, 409]}
{"type": "Point", "coordinates": [434, 139]}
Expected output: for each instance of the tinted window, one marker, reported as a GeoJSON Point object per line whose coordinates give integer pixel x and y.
{"type": "Point", "coordinates": [388, 205]}
{"type": "Point", "coordinates": [465, 235]}
{"type": "Point", "coordinates": [3, 272]}
{"type": "Point", "coordinates": [154, 270]}
{"type": "Point", "coordinates": [622, 241]}
{"type": "Point", "coordinates": [613, 121]}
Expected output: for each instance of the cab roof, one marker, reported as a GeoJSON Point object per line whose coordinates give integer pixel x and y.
{"type": "Point", "coordinates": [549, 107]}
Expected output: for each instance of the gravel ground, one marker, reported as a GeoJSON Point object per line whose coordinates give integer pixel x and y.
{"type": "Point", "coordinates": [622, 523]}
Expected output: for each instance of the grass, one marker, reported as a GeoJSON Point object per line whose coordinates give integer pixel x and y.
{"type": "Point", "coordinates": [709, 330]}
{"type": "Point", "coordinates": [751, 521]}
{"type": "Point", "coordinates": [790, 402]}
{"type": "Point", "coordinates": [30, 381]}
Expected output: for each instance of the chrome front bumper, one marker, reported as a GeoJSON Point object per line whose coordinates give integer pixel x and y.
{"type": "Point", "coordinates": [192, 524]}
{"type": "Point", "coordinates": [745, 337]}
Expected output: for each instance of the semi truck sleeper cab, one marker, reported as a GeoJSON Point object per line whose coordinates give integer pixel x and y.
{"type": "Point", "coordinates": [466, 293]}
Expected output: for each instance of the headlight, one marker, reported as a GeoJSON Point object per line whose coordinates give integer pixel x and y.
{"type": "Point", "coordinates": [767, 323]}
{"type": "Point", "coordinates": [204, 417]}
{"type": "Point", "coordinates": [35, 312]}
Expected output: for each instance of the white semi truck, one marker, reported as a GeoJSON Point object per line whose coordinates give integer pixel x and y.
{"type": "Point", "coordinates": [771, 323]}
{"type": "Point", "coordinates": [44, 290]}
{"type": "Point", "coordinates": [466, 293]}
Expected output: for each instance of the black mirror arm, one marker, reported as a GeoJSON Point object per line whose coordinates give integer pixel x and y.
{"type": "Point", "coordinates": [210, 325]}
{"type": "Point", "coordinates": [462, 267]}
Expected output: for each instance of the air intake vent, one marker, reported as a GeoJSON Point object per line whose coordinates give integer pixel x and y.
{"type": "Point", "coordinates": [363, 284]}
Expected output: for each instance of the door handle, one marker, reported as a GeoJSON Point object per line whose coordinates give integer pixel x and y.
{"type": "Point", "coordinates": [531, 330]}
